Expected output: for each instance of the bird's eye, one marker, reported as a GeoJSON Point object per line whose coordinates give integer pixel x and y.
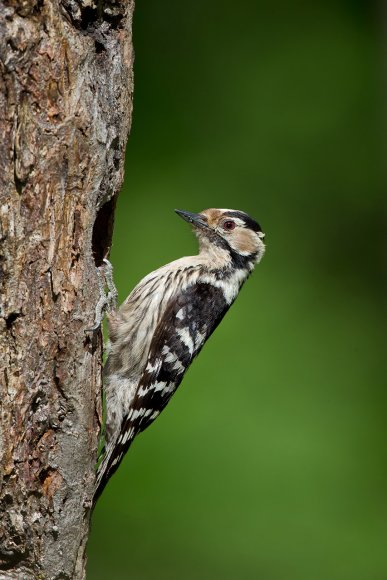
{"type": "Point", "coordinates": [229, 225]}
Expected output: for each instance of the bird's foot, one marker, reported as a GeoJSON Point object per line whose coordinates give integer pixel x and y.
{"type": "Point", "coordinates": [107, 300]}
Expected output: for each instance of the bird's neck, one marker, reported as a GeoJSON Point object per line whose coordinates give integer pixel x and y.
{"type": "Point", "coordinates": [225, 260]}
{"type": "Point", "coordinates": [213, 256]}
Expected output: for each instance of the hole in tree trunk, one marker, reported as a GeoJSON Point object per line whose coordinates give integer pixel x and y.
{"type": "Point", "coordinates": [103, 231]}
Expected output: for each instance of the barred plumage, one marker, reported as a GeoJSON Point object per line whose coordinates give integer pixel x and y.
{"type": "Point", "coordinates": [164, 322]}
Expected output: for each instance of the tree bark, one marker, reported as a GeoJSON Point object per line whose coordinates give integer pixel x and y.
{"type": "Point", "coordinates": [65, 110]}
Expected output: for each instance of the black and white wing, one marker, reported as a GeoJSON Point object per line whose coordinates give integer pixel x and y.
{"type": "Point", "coordinates": [189, 319]}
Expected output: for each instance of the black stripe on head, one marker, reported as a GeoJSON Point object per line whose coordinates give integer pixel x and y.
{"type": "Point", "coordinates": [249, 221]}
{"type": "Point", "coordinates": [241, 262]}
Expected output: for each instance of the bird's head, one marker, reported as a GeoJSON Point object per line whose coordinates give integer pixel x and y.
{"type": "Point", "coordinates": [227, 230]}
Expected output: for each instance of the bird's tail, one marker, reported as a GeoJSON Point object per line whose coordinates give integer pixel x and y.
{"type": "Point", "coordinates": [114, 453]}
{"type": "Point", "coordinates": [103, 473]}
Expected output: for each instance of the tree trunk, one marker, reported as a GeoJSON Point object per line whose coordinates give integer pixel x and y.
{"type": "Point", "coordinates": [65, 109]}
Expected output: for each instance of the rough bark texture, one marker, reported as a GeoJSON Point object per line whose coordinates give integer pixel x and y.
{"type": "Point", "coordinates": [65, 108]}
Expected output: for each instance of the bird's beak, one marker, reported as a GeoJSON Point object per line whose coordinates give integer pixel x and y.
{"type": "Point", "coordinates": [195, 219]}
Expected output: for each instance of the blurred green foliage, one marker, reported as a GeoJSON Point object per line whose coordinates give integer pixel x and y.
{"type": "Point", "coordinates": [270, 461]}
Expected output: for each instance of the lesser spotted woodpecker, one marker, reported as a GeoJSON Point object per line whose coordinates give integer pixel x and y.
{"type": "Point", "coordinates": [165, 321]}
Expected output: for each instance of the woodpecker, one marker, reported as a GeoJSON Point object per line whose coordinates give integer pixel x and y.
{"type": "Point", "coordinates": [165, 321]}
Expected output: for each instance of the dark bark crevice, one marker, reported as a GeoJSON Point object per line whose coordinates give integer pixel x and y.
{"type": "Point", "coordinates": [103, 231]}
{"type": "Point", "coordinates": [93, 16]}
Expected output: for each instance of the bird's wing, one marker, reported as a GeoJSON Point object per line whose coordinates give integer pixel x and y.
{"type": "Point", "coordinates": [189, 319]}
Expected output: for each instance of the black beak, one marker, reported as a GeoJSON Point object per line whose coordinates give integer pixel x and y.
{"type": "Point", "coordinates": [195, 219]}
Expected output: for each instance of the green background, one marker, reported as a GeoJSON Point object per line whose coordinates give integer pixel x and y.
{"type": "Point", "coordinates": [270, 461]}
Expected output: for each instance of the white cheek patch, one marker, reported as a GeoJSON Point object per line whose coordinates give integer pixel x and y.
{"type": "Point", "coordinates": [251, 241]}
